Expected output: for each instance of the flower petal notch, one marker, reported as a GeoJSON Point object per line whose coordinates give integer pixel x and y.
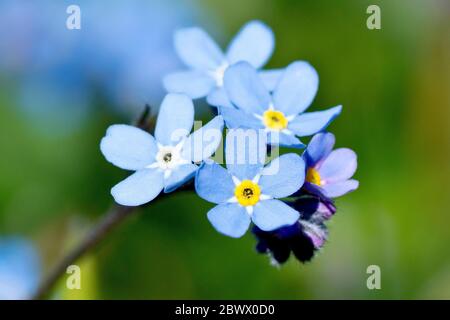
{"type": "Point", "coordinates": [166, 161]}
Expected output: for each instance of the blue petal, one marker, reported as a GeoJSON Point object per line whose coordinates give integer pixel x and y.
{"type": "Point", "coordinates": [128, 147]}
{"type": "Point", "coordinates": [197, 50]}
{"type": "Point", "coordinates": [338, 166]}
{"type": "Point", "coordinates": [319, 148]}
{"type": "Point", "coordinates": [245, 88]}
{"type": "Point", "coordinates": [245, 152]}
{"type": "Point", "coordinates": [229, 219]}
{"type": "Point", "coordinates": [20, 268]}
{"type": "Point", "coordinates": [235, 118]}
{"type": "Point", "coordinates": [283, 176]}
{"type": "Point", "coordinates": [269, 215]}
{"type": "Point", "coordinates": [310, 123]}
{"type": "Point", "coordinates": [218, 98]}
{"type": "Point", "coordinates": [296, 89]}
{"type": "Point", "coordinates": [179, 176]}
{"type": "Point", "coordinates": [139, 188]}
{"type": "Point", "coordinates": [338, 189]}
{"type": "Point", "coordinates": [195, 84]}
{"type": "Point", "coordinates": [201, 144]}
{"type": "Point", "coordinates": [175, 119]}
{"type": "Point", "coordinates": [213, 183]}
{"type": "Point", "coordinates": [254, 43]}
{"type": "Point", "coordinates": [270, 78]}
{"type": "Point", "coordinates": [285, 140]}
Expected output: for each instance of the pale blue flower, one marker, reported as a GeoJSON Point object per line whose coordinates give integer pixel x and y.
{"type": "Point", "coordinates": [247, 191]}
{"type": "Point", "coordinates": [281, 113]}
{"type": "Point", "coordinates": [165, 161]}
{"type": "Point", "coordinates": [207, 63]}
{"type": "Point", "coordinates": [19, 269]}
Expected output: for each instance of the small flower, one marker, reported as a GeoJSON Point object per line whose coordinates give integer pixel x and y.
{"type": "Point", "coordinates": [254, 43]}
{"type": "Point", "coordinates": [246, 191]}
{"type": "Point", "coordinates": [280, 114]}
{"type": "Point", "coordinates": [328, 172]}
{"type": "Point", "coordinates": [164, 162]}
{"type": "Point", "coordinates": [303, 238]}
{"type": "Point", "coordinates": [20, 268]}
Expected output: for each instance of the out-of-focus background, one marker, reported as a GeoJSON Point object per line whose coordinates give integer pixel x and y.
{"type": "Point", "coordinates": [60, 89]}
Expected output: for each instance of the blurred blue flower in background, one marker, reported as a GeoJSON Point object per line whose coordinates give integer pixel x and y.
{"type": "Point", "coordinates": [121, 51]}
{"type": "Point", "coordinates": [303, 238]}
{"type": "Point", "coordinates": [19, 268]}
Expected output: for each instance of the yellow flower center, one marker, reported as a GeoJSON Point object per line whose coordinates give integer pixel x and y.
{"type": "Point", "coordinates": [275, 120]}
{"type": "Point", "coordinates": [247, 193]}
{"type": "Point", "coordinates": [313, 176]}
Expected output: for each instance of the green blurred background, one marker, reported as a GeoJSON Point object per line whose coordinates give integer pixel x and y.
{"type": "Point", "coordinates": [394, 85]}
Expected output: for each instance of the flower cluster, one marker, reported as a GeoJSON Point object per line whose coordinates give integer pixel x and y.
{"type": "Point", "coordinates": [288, 199]}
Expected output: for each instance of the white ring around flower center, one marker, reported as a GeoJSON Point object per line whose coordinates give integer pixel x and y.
{"type": "Point", "coordinates": [219, 73]}
{"type": "Point", "coordinates": [169, 158]}
{"type": "Point", "coordinates": [261, 197]}
{"type": "Point", "coordinates": [267, 128]}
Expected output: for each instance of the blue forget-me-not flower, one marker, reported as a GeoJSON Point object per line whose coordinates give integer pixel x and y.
{"type": "Point", "coordinates": [165, 161]}
{"type": "Point", "coordinates": [20, 268]}
{"type": "Point", "coordinates": [329, 172]}
{"type": "Point", "coordinates": [254, 44]}
{"type": "Point", "coordinates": [279, 113]}
{"type": "Point", "coordinates": [247, 191]}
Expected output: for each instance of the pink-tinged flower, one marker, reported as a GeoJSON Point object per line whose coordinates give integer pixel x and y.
{"type": "Point", "coordinates": [328, 171]}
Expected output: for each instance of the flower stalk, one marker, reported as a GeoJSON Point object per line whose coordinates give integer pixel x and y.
{"type": "Point", "coordinates": [115, 217]}
{"type": "Point", "coordinates": [110, 221]}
